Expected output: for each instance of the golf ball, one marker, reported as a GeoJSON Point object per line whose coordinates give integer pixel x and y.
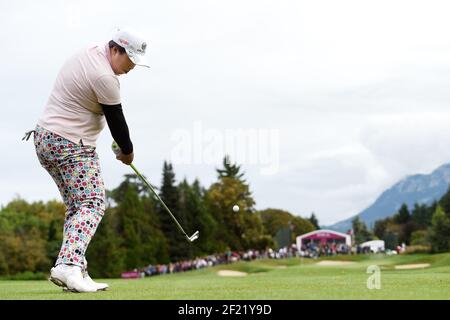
{"type": "Point", "coordinates": [235, 208]}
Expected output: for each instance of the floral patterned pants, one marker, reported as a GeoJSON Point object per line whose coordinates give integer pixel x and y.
{"type": "Point", "coordinates": [76, 171]}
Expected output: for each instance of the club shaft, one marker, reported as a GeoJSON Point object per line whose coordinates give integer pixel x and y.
{"type": "Point", "coordinates": [157, 196]}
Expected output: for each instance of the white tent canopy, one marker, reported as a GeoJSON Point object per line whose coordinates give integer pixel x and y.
{"type": "Point", "coordinates": [374, 245]}
{"type": "Point", "coordinates": [323, 235]}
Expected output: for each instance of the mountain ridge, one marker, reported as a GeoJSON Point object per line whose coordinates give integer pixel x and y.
{"type": "Point", "coordinates": [415, 188]}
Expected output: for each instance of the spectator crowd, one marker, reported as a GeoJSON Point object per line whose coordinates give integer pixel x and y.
{"type": "Point", "coordinates": [315, 250]}
{"type": "Point", "coordinates": [211, 261]}
{"type": "Point", "coordinates": [308, 250]}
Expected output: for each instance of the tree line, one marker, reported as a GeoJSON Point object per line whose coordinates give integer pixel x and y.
{"type": "Point", "coordinates": [137, 231]}
{"type": "Point", "coordinates": [426, 227]}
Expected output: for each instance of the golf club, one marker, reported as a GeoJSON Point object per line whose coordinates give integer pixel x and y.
{"type": "Point", "coordinates": [116, 149]}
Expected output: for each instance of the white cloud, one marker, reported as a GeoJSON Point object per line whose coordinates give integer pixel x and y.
{"type": "Point", "coordinates": [409, 143]}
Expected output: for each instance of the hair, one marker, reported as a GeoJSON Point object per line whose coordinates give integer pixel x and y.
{"type": "Point", "coordinates": [113, 44]}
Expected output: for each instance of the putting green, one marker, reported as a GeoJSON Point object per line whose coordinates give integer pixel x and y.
{"type": "Point", "coordinates": [287, 279]}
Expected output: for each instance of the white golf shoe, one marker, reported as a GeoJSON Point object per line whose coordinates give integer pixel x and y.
{"type": "Point", "coordinates": [98, 285]}
{"type": "Point", "coordinates": [70, 277]}
{"type": "Point", "coordinates": [88, 280]}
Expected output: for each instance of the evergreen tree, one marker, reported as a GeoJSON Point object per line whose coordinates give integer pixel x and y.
{"type": "Point", "coordinates": [360, 231]}
{"type": "Point", "coordinates": [186, 214]}
{"type": "Point", "coordinates": [380, 227]}
{"type": "Point", "coordinates": [390, 240]}
{"type": "Point", "coordinates": [156, 247]}
{"type": "Point", "coordinates": [132, 181]}
{"type": "Point", "coordinates": [422, 214]}
{"type": "Point", "coordinates": [205, 222]}
{"type": "Point", "coordinates": [230, 170]}
{"type": "Point", "coordinates": [440, 231]}
{"type": "Point", "coordinates": [193, 206]}
{"type": "Point", "coordinates": [129, 212]}
{"type": "Point", "coordinates": [403, 215]}
{"type": "Point", "coordinates": [178, 246]}
{"type": "Point", "coordinates": [444, 202]}
{"type": "Point", "coordinates": [314, 221]}
{"type": "Point", "coordinates": [137, 223]}
{"type": "Point", "coordinates": [406, 224]}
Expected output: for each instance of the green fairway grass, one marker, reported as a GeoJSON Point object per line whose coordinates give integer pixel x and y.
{"type": "Point", "coordinates": [286, 279]}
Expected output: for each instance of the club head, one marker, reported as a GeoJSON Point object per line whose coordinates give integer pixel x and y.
{"type": "Point", "coordinates": [194, 236]}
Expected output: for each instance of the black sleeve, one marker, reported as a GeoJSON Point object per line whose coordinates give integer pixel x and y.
{"type": "Point", "coordinates": [118, 126]}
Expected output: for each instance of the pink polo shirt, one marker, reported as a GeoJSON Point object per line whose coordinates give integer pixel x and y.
{"type": "Point", "coordinates": [84, 81]}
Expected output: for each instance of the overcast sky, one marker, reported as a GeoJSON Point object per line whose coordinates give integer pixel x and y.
{"type": "Point", "coordinates": [347, 97]}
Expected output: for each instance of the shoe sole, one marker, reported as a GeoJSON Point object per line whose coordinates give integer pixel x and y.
{"type": "Point", "coordinates": [65, 289]}
{"type": "Point", "coordinates": [60, 283]}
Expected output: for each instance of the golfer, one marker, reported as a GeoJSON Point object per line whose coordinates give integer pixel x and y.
{"type": "Point", "coordinates": [85, 96]}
